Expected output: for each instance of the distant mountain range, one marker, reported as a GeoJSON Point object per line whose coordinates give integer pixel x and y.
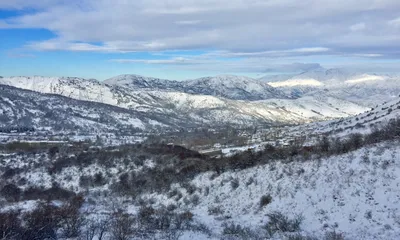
{"type": "Point", "coordinates": [361, 88]}
{"type": "Point", "coordinates": [226, 86]}
{"type": "Point", "coordinates": [209, 102]}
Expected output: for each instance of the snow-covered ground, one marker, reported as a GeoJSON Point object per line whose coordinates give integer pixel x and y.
{"type": "Point", "coordinates": [357, 194]}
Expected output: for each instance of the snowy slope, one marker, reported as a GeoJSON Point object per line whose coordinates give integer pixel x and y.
{"type": "Point", "coordinates": [304, 109]}
{"type": "Point", "coordinates": [356, 194]}
{"type": "Point", "coordinates": [361, 123]}
{"type": "Point", "coordinates": [23, 108]}
{"type": "Point", "coordinates": [368, 90]}
{"type": "Point", "coordinates": [76, 88]}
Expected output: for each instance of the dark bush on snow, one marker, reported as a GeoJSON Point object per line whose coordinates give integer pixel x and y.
{"type": "Point", "coordinates": [333, 235]}
{"type": "Point", "coordinates": [11, 172]}
{"type": "Point", "coordinates": [278, 222]}
{"type": "Point", "coordinates": [53, 193]}
{"type": "Point", "coordinates": [265, 200]}
{"type": "Point", "coordinates": [11, 192]}
{"type": "Point", "coordinates": [235, 231]}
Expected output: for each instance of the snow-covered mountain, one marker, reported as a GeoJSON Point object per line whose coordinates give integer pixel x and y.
{"type": "Point", "coordinates": [233, 87]}
{"type": "Point", "coordinates": [134, 81]}
{"type": "Point", "coordinates": [24, 108]}
{"type": "Point", "coordinates": [196, 109]}
{"type": "Point", "coordinates": [76, 88]}
{"type": "Point", "coordinates": [362, 88]}
{"type": "Point", "coordinates": [226, 86]}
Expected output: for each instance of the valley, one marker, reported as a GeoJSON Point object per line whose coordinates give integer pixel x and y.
{"type": "Point", "coordinates": [213, 158]}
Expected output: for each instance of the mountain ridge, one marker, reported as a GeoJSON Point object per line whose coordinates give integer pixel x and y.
{"type": "Point", "coordinates": [197, 110]}
{"type": "Point", "coordinates": [227, 86]}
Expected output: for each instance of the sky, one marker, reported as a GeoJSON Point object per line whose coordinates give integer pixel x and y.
{"type": "Point", "coordinates": [184, 39]}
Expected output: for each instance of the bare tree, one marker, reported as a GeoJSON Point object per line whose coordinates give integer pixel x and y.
{"type": "Point", "coordinates": [122, 226]}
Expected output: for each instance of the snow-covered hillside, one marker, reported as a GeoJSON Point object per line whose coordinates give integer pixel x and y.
{"type": "Point", "coordinates": [355, 195]}
{"type": "Point", "coordinates": [76, 88]}
{"type": "Point", "coordinates": [23, 108]}
{"type": "Point", "coordinates": [363, 123]}
{"type": "Point", "coordinates": [195, 108]}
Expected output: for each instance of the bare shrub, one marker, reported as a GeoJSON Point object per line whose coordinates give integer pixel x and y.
{"type": "Point", "coordinates": [172, 234]}
{"type": "Point", "coordinates": [146, 215]}
{"type": "Point", "coordinates": [301, 237]}
{"type": "Point", "coordinates": [333, 235]}
{"type": "Point", "coordinates": [10, 225]}
{"type": "Point", "coordinates": [215, 210]}
{"type": "Point", "coordinates": [41, 223]}
{"type": "Point", "coordinates": [183, 220]}
{"type": "Point", "coordinates": [234, 183]}
{"type": "Point", "coordinates": [195, 200]}
{"type": "Point", "coordinates": [280, 223]}
{"type": "Point", "coordinates": [265, 200]}
{"type": "Point", "coordinates": [236, 231]}
{"type": "Point", "coordinates": [172, 193]}
{"type": "Point", "coordinates": [96, 228]}
{"type": "Point", "coordinates": [122, 226]}
{"type": "Point", "coordinates": [250, 181]}
{"type": "Point", "coordinates": [171, 207]}
{"type": "Point", "coordinates": [71, 220]}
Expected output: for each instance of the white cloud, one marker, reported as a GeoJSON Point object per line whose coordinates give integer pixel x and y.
{"type": "Point", "coordinates": [22, 4]}
{"type": "Point", "coordinates": [369, 55]}
{"type": "Point", "coordinates": [188, 22]}
{"type": "Point", "coordinates": [58, 44]}
{"type": "Point", "coordinates": [395, 22]}
{"type": "Point", "coordinates": [208, 62]}
{"type": "Point", "coordinates": [310, 50]}
{"type": "Point", "coordinates": [274, 53]}
{"type": "Point", "coordinates": [358, 27]}
{"type": "Point", "coordinates": [178, 60]}
{"type": "Point", "coordinates": [254, 28]}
